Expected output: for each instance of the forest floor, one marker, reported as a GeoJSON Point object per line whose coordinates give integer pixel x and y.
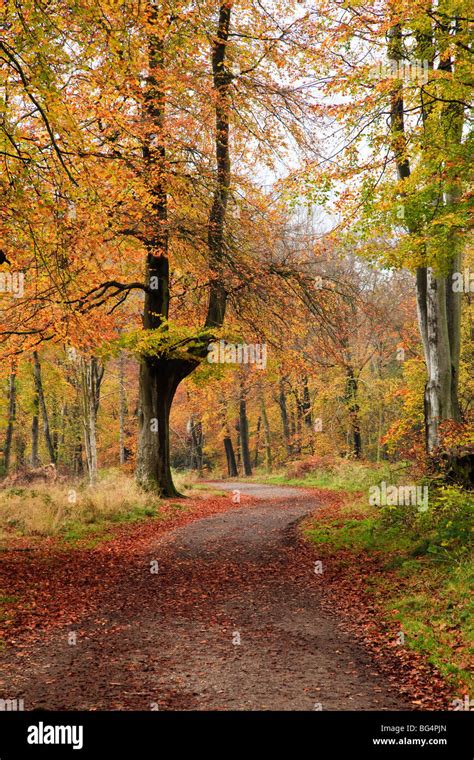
{"type": "Point", "coordinates": [221, 606]}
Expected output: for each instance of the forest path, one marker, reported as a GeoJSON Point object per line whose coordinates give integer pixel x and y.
{"type": "Point", "coordinates": [232, 619]}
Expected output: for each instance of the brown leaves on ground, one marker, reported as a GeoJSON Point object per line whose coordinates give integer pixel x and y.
{"type": "Point", "coordinates": [46, 583]}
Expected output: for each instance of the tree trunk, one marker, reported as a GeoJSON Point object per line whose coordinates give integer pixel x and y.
{"type": "Point", "coordinates": [244, 436]}
{"type": "Point", "coordinates": [239, 447]}
{"type": "Point", "coordinates": [284, 417]}
{"type": "Point", "coordinates": [438, 307]}
{"type": "Point", "coordinates": [91, 379]}
{"type": "Point", "coordinates": [352, 388]}
{"type": "Point", "coordinates": [42, 406]}
{"type": "Point", "coordinates": [453, 307]}
{"type": "Point", "coordinates": [230, 457]}
{"type": "Point", "coordinates": [266, 432]}
{"type": "Point", "coordinates": [257, 441]}
{"type": "Point", "coordinates": [306, 404]}
{"type": "Point", "coordinates": [160, 376]}
{"type": "Point", "coordinates": [7, 448]}
{"type": "Point", "coordinates": [20, 448]}
{"type": "Point", "coordinates": [122, 408]}
{"type": "Point", "coordinates": [34, 459]}
{"type": "Point", "coordinates": [56, 427]}
{"type": "Point", "coordinates": [196, 440]}
{"type": "Point", "coordinates": [228, 446]}
{"type": "Point", "coordinates": [159, 379]}
{"type": "Point", "coordinates": [77, 460]}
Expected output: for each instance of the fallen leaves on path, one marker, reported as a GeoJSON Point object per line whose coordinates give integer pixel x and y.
{"type": "Point", "coordinates": [105, 590]}
{"type": "Point", "coordinates": [48, 583]}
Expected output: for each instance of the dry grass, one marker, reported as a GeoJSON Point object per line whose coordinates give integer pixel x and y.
{"type": "Point", "coordinates": [48, 510]}
{"type": "Point", "coordinates": [185, 481]}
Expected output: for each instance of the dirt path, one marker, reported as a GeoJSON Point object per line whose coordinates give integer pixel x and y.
{"type": "Point", "coordinates": [231, 620]}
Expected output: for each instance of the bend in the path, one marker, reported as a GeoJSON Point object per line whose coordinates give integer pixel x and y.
{"type": "Point", "coordinates": [232, 620]}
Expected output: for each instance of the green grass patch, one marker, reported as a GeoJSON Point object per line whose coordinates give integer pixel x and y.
{"type": "Point", "coordinates": [427, 571]}
{"type": "Point", "coordinates": [436, 615]}
{"type": "Point", "coordinates": [360, 535]}
{"type": "Point", "coordinates": [341, 475]}
{"type": "Point", "coordinates": [8, 599]}
{"type": "Point", "coordinates": [98, 530]}
{"type": "Point", "coordinates": [207, 489]}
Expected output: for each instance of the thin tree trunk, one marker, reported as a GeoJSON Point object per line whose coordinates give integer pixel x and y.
{"type": "Point", "coordinates": [352, 388]}
{"type": "Point", "coordinates": [122, 407]}
{"type": "Point", "coordinates": [20, 448]}
{"type": "Point", "coordinates": [34, 459]}
{"type": "Point", "coordinates": [7, 448]}
{"type": "Point", "coordinates": [239, 447]}
{"type": "Point", "coordinates": [266, 432]}
{"type": "Point", "coordinates": [284, 416]}
{"type": "Point", "coordinates": [257, 441]}
{"type": "Point", "coordinates": [56, 427]}
{"type": "Point", "coordinates": [42, 406]}
{"type": "Point", "coordinates": [91, 379]}
{"type": "Point", "coordinates": [306, 404]}
{"type": "Point", "coordinates": [196, 440]}
{"type": "Point", "coordinates": [228, 446]}
{"type": "Point", "coordinates": [230, 457]}
{"type": "Point", "coordinates": [244, 436]}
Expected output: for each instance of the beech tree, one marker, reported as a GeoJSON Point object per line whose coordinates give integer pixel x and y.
{"type": "Point", "coordinates": [401, 180]}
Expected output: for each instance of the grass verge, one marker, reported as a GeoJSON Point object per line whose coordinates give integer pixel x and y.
{"type": "Point", "coordinates": [75, 510]}
{"type": "Point", "coordinates": [424, 572]}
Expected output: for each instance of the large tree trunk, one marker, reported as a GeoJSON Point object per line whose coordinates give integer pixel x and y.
{"type": "Point", "coordinates": [453, 307]}
{"type": "Point", "coordinates": [159, 380]}
{"type": "Point", "coordinates": [438, 307]}
{"type": "Point", "coordinates": [160, 376]}
{"type": "Point", "coordinates": [42, 406]}
{"type": "Point", "coordinates": [7, 448]}
{"type": "Point", "coordinates": [438, 393]}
